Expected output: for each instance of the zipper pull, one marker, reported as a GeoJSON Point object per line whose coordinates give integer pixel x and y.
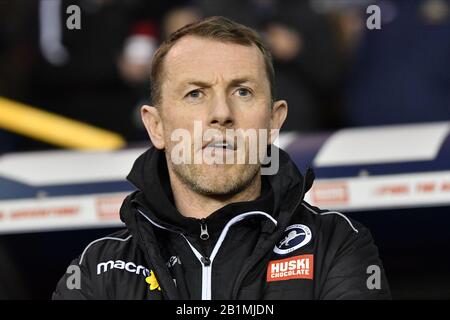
{"type": "Point", "coordinates": [204, 235]}
{"type": "Point", "coordinates": [206, 261]}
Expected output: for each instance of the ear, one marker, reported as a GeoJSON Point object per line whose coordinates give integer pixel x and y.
{"type": "Point", "coordinates": [279, 114]}
{"type": "Point", "coordinates": [153, 123]}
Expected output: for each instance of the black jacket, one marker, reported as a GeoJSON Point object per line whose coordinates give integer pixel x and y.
{"type": "Point", "coordinates": [276, 247]}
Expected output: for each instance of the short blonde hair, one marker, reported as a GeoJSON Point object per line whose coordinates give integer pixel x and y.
{"type": "Point", "coordinates": [217, 28]}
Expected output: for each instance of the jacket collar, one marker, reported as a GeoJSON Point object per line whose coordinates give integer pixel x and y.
{"type": "Point", "coordinates": [155, 199]}
{"type": "Point", "coordinates": [149, 175]}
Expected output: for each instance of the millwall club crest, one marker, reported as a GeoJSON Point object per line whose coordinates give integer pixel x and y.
{"type": "Point", "coordinates": [295, 237]}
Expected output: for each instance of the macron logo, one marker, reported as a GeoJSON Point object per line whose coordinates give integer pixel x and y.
{"type": "Point", "coordinates": [122, 265]}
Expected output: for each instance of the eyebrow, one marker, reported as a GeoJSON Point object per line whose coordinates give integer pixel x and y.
{"type": "Point", "coordinates": [203, 84]}
{"type": "Point", "coordinates": [197, 83]}
{"type": "Point", "coordinates": [238, 81]}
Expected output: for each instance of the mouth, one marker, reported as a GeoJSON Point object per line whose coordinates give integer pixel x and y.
{"type": "Point", "coordinates": [220, 144]}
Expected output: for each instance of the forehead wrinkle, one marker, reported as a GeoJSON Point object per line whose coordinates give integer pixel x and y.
{"type": "Point", "coordinates": [210, 63]}
{"type": "Point", "coordinates": [198, 48]}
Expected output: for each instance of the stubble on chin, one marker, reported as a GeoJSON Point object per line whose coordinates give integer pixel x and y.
{"type": "Point", "coordinates": [216, 180]}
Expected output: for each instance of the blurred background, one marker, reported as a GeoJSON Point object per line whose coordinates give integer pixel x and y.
{"type": "Point", "coordinates": [64, 90]}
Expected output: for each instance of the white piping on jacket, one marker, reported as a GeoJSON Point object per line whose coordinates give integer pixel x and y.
{"type": "Point", "coordinates": [207, 270]}
{"type": "Point", "coordinates": [331, 212]}
{"type": "Point", "coordinates": [95, 241]}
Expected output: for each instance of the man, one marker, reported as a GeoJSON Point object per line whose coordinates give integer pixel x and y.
{"type": "Point", "coordinates": [212, 230]}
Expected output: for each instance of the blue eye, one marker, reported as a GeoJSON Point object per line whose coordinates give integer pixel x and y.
{"type": "Point", "coordinates": [243, 92]}
{"type": "Point", "coordinates": [194, 94]}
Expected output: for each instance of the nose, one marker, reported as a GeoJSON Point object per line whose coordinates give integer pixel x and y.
{"type": "Point", "coordinates": [221, 114]}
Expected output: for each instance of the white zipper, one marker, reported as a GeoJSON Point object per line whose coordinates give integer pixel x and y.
{"type": "Point", "coordinates": [206, 271]}
{"type": "Point", "coordinates": [207, 267]}
{"type": "Point", "coordinates": [206, 279]}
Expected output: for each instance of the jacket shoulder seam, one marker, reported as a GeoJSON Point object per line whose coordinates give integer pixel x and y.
{"type": "Point", "coordinates": [98, 240]}
{"type": "Point", "coordinates": [327, 212]}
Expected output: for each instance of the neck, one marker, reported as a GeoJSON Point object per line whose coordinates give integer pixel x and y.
{"type": "Point", "coordinates": [195, 205]}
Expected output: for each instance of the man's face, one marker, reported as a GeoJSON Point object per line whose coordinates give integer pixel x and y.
{"type": "Point", "coordinates": [220, 86]}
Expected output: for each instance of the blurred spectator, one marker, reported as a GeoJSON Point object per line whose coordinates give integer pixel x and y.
{"type": "Point", "coordinates": [177, 18]}
{"type": "Point", "coordinates": [306, 56]}
{"type": "Point", "coordinates": [97, 74]}
{"type": "Point", "coordinates": [76, 72]}
{"type": "Point", "coordinates": [100, 74]}
{"type": "Point", "coordinates": [402, 72]}
{"type": "Point", "coordinates": [349, 19]}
